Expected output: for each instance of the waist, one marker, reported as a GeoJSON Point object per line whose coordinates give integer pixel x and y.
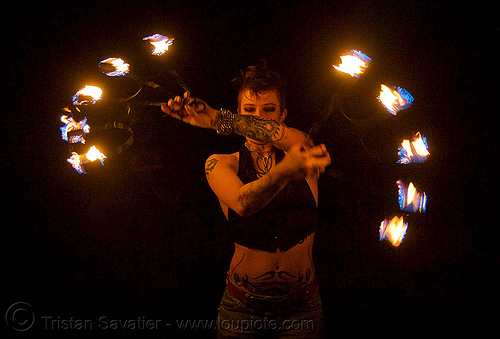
{"type": "Point", "coordinates": [273, 304]}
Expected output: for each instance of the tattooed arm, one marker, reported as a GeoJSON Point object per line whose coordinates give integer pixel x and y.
{"type": "Point", "coordinates": [246, 199]}
{"type": "Point", "coordinates": [268, 130]}
{"type": "Point", "coordinates": [197, 113]}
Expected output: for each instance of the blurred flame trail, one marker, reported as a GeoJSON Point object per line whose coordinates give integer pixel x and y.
{"type": "Point", "coordinates": [415, 151]}
{"type": "Point", "coordinates": [87, 95]}
{"type": "Point", "coordinates": [77, 160]}
{"type": "Point", "coordinates": [160, 43]}
{"type": "Point", "coordinates": [354, 64]}
{"type": "Point", "coordinates": [393, 230]}
{"type": "Point", "coordinates": [395, 99]}
{"type": "Point", "coordinates": [73, 132]}
{"type": "Point", "coordinates": [409, 199]}
{"type": "Point", "coordinates": [114, 67]}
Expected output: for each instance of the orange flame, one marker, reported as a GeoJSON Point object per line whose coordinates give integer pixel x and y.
{"type": "Point", "coordinates": [86, 95]}
{"type": "Point", "coordinates": [114, 67]}
{"type": "Point", "coordinates": [354, 64]}
{"type": "Point", "coordinates": [409, 199]}
{"type": "Point", "coordinates": [419, 145]}
{"type": "Point", "coordinates": [414, 151]}
{"type": "Point", "coordinates": [93, 154]}
{"type": "Point", "coordinates": [160, 43]}
{"type": "Point", "coordinates": [394, 100]}
{"type": "Point", "coordinates": [393, 230]}
{"type": "Point", "coordinates": [389, 97]}
{"type": "Point", "coordinates": [77, 160]}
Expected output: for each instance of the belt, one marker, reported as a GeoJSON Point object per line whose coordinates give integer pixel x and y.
{"type": "Point", "coordinates": [273, 304]}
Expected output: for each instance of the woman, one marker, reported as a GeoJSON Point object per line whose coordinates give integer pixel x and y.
{"type": "Point", "coordinates": [268, 191]}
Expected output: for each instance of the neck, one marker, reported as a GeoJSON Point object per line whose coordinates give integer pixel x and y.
{"type": "Point", "coordinates": [258, 146]}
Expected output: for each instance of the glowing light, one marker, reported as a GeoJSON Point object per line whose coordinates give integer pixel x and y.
{"type": "Point", "coordinates": [87, 95]}
{"type": "Point", "coordinates": [395, 99]}
{"type": "Point", "coordinates": [420, 144]}
{"type": "Point", "coordinates": [415, 151]}
{"type": "Point", "coordinates": [354, 64]}
{"type": "Point", "coordinates": [409, 199]}
{"type": "Point", "coordinates": [160, 43]}
{"type": "Point", "coordinates": [393, 230]}
{"type": "Point", "coordinates": [114, 67]}
{"type": "Point", "coordinates": [94, 154]}
{"type": "Point", "coordinates": [72, 131]}
{"type": "Point", "coordinates": [77, 160]}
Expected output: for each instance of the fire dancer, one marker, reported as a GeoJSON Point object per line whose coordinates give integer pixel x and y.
{"type": "Point", "coordinates": [268, 191]}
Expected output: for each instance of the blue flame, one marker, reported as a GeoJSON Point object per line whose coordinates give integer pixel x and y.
{"type": "Point", "coordinates": [418, 202]}
{"type": "Point", "coordinates": [393, 230]}
{"type": "Point", "coordinates": [411, 156]}
{"type": "Point", "coordinates": [403, 101]}
{"type": "Point", "coordinates": [407, 97]}
{"type": "Point", "coordinates": [76, 163]}
{"type": "Point", "coordinates": [158, 38]}
{"type": "Point", "coordinates": [360, 55]}
{"type": "Point", "coordinates": [72, 125]}
{"type": "Point", "coordinates": [114, 67]}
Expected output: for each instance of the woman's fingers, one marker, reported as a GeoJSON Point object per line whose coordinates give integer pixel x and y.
{"type": "Point", "coordinates": [319, 158]}
{"type": "Point", "coordinates": [318, 151]}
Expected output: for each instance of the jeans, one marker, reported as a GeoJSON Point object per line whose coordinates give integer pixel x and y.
{"type": "Point", "coordinates": [237, 320]}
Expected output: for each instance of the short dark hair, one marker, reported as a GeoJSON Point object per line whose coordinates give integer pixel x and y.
{"type": "Point", "coordinates": [259, 79]}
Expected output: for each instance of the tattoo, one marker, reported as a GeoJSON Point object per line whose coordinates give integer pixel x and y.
{"type": "Point", "coordinates": [217, 121]}
{"type": "Point", "coordinates": [273, 282]}
{"type": "Point", "coordinates": [258, 194]}
{"type": "Point", "coordinates": [210, 165]}
{"type": "Point", "coordinates": [258, 128]}
{"type": "Point", "coordinates": [236, 278]}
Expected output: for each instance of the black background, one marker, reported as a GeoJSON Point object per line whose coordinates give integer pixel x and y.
{"type": "Point", "coordinates": [143, 235]}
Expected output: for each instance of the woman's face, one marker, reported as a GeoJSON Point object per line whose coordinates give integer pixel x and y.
{"type": "Point", "coordinates": [265, 105]}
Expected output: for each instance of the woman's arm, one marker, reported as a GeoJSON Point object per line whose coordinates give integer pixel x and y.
{"type": "Point", "coordinates": [246, 199]}
{"type": "Point", "coordinates": [197, 113]}
{"type": "Point", "coordinates": [268, 130]}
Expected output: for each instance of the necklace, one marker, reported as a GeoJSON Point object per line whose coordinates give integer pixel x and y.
{"type": "Point", "coordinates": [267, 160]}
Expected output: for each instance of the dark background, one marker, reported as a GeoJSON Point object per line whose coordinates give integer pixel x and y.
{"type": "Point", "coordinates": [143, 234]}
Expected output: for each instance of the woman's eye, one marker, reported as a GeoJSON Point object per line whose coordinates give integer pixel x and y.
{"type": "Point", "coordinates": [249, 109]}
{"type": "Point", "coordinates": [269, 109]}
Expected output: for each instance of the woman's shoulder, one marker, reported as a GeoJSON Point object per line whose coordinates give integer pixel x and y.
{"type": "Point", "coordinates": [228, 159]}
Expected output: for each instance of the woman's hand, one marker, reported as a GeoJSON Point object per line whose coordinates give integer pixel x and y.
{"type": "Point", "coordinates": [303, 161]}
{"type": "Point", "coordinates": [191, 110]}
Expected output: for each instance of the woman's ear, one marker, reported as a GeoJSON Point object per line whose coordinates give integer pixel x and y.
{"type": "Point", "coordinates": [283, 115]}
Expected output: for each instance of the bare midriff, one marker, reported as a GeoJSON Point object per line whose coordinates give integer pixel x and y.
{"type": "Point", "coordinates": [273, 273]}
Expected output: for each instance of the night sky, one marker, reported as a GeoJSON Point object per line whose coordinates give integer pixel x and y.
{"type": "Point", "coordinates": [143, 235]}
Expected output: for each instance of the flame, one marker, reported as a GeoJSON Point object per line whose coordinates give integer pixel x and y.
{"type": "Point", "coordinates": [114, 67]}
{"type": "Point", "coordinates": [407, 147]}
{"type": "Point", "coordinates": [160, 43]}
{"type": "Point", "coordinates": [87, 95]}
{"type": "Point", "coordinates": [412, 192]}
{"type": "Point", "coordinates": [415, 151]}
{"type": "Point", "coordinates": [409, 199]}
{"type": "Point", "coordinates": [393, 230]}
{"type": "Point", "coordinates": [73, 132]}
{"type": "Point", "coordinates": [395, 99]}
{"type": "Point", "coordinates": [354, 64]}
{"type": "Point", "coordinates": [94, 154]}
{"type": "Point", "coordinates": [77, 160]}
{"type": "Point", "coordinates": [420, 145]}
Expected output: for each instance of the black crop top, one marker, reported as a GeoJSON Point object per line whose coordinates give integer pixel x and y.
{"type": "Point", "coordinates": [284, 222]}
